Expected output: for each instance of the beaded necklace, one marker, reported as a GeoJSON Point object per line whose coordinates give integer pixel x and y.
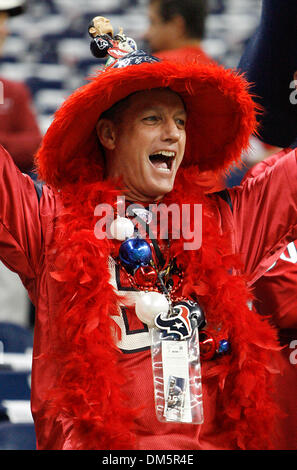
{"type": "Point", "coordinates": [148, 271]}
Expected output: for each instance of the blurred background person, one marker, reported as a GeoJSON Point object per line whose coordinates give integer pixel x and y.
{"type": "Point", "coordinates": [19, 129]}
{"type": "Point", "coordinates": [176, 29]}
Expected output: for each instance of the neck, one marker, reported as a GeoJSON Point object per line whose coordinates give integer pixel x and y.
{"type": "Point", "coordinates": [185, 42]}
{"type": "Point", "coordinates": [140, 198]}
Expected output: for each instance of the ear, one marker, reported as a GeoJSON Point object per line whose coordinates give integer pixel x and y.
{"type": "Point", "coordinates": [92, 30]}
{"type": "Point", "coordinates": [179, 25]}
{"type": "Point", "coordinates": [106, 133]}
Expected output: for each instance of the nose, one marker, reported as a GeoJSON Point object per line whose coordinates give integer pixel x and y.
{"type": "Point", "coordinates": [170, 131]}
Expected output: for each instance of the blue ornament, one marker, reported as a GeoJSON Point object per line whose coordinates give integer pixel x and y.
{"type": "Point", "coordinates": [135, 252]}
{"type": "Point", "coordinates": [224, 346]}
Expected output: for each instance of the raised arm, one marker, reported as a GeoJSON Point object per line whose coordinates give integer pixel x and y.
{"type": "Point", "coordinates": [20, 228]}
{"type": "Point", "coordinates": [265, 215]}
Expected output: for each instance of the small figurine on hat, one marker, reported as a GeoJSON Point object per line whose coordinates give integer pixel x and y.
{"type": "Point", "coordinates": [104, 43]}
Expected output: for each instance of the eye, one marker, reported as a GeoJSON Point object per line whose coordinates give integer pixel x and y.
{"type": "Point", "coordinates": [181, 123]}
{"type": "Point", "coordinates": [151, 119]}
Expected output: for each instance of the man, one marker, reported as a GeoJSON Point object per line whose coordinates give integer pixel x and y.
{"type": "Point", "coordinates": [19, 130]}
{"type": "Point", "coordinates": [176, 29]}
{"type": "Point", "coordinates": [142, 129]}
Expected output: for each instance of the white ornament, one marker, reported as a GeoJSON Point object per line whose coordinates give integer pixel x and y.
{"type": "Point", "coordinates": [121, 228]}
{"type": "Point", "coordinates": [149, 305]}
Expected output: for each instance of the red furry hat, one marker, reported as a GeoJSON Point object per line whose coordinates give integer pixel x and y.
{"type": "Point", "coordinates": [220, 120]}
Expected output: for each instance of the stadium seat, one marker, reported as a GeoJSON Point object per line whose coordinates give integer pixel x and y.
{"type": "Point", "coordinates": [3, 414]}
{"type": "Point", "coordinates": [36, 84]}
{"type": "Point", "coordinates": [71, 51]}
{"type": "Point", "coordinates": [15, 385]}
{"type": "Point", "coordinates": [49, 100]}
{"type": "Point", "coordinates": [45, 121]}
{"type": "Point", "coordinates": [12, 70]}
{"type": "Point", "coordinates": [15, 338]}
{"type": "Point", "coordinates": [14, 48]}
{"type": "Point", "coordinates": [16, 411]}
{"type": "Point", "coordinates": [84, 66]}
{"type": "Point", "coordinates": [17, 436]}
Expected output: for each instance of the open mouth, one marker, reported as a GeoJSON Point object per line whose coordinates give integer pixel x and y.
{"type": "Point", "coordinates": [162, 160]}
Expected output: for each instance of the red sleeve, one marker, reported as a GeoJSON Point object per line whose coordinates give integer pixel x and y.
{"type": "Point", "coordinates": [20, 227]}
{"type": "Point", "coordinates": [22, 140]}
{"type": "Point", "coordinates": [255, 170]}
{"type": "Point", "coordinates": [265, 215]}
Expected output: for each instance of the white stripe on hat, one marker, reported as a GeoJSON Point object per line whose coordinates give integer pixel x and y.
{"type": "Point", "coordinates": [10, 4]}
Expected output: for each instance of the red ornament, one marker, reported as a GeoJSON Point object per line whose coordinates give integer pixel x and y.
{"type": "Point", "coordinates": [145, 276]}
{"type": "Point", "coordinates": [207, 345]}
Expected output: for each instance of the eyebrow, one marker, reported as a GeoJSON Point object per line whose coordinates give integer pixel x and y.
{"type": "Point", "coordinates": [159, 109]}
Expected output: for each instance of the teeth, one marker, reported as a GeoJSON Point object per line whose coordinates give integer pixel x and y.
{"type": "Point", "coordinates": [165, 153]}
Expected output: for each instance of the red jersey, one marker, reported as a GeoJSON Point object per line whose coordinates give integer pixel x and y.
{"type": "Point", "coordinates": [26, 230]}
{"type": "Point", "coordinates": [275, 289]}
{"type": "Point", "coordinates": [258, 243]}
{"type": "Point", "coordinates": [275, 296]}
{"type": "Point", "coordinates": [185, 54]}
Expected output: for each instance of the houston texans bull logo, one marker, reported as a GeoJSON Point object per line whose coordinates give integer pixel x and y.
{"type": "Point", "coordinates": [187, 314]}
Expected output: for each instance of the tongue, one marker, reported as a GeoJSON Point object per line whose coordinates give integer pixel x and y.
{"type": "Point", "coordinates": [159, 162]}
{"type": "Point", "coordinates": [160, 165]}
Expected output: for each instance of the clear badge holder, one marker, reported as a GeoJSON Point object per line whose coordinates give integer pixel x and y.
{"type": "Point", "coordinates": [177, 377]}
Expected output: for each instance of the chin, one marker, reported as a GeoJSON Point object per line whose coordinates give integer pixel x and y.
{"type": "Point", "coordinates": [160, 191]}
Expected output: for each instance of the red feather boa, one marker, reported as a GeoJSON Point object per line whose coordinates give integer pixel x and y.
{"type": "Point", "coordinates": [89, 392]}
